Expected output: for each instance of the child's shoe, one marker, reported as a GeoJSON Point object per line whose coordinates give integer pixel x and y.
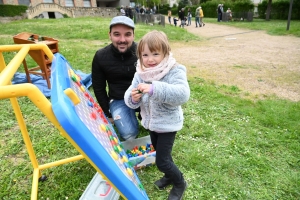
{"type": "Point", "coordinates": [177, 191]}
{"type": "Point", "coordinates": [162, 183]}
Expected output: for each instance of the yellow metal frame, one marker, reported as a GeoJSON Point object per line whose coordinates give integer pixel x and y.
{"type": "Point", "coordinates": [37, 97]}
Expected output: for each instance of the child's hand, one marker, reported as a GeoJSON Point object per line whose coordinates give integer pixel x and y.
{"type": "Point", "coordinates": [144, 88]}
{"type": "Point", "coordinates": [136, 94]}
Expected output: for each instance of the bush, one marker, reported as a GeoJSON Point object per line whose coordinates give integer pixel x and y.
{"type": "Point", "coordinates": [12, 10]}
{"type": "Point", "coordinates": [279, 9]}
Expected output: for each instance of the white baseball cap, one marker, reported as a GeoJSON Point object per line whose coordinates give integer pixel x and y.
{"type": "Point", "coordinates": [122, 20]}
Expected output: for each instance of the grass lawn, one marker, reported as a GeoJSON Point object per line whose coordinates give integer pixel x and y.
{"type": "Point", "coordinates": [229, 148]}
{"type": "Point", "coordinates": [272, 27]}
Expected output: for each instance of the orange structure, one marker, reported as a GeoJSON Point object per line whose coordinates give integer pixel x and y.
{"type": "Point", "coordinates": [44, 63]}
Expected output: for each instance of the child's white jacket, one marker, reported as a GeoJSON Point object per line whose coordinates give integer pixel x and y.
{"type": "Point", "coordinates": [162, 111]}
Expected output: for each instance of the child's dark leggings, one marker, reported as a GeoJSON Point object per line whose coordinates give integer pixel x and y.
{"type": "Point", "coordinates": [163, 144]}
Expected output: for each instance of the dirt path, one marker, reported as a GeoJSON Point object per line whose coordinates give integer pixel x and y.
{"type": "Point", "coordinates": [255, 62]}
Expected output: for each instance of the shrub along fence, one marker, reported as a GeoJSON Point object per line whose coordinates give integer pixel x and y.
{"type": "Point", "coordinates": [280, 9]}
{"type": "Point", "coordinates": [12, 10]}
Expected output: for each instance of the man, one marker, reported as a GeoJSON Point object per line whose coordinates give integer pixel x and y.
{"type": "Point", "coordinates": [114, 65]}
{"type": "Point", "coordinates": [181, 17]}
{"type": "Point", "coordinates": [219, 10]}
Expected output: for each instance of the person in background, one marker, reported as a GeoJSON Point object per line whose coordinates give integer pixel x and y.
{"type": "Point", "coordinates": [142, 10]}
{"type": "Point", "coordinates": [197, 17]}
{"type": "Point", "coordinates": [189, 17]}
{"type": "Point", "coordinates": [175, 21]}
{"type": "Point", "coordinates": [137, 9]}
{"type": "Point", "coordinates": [126, 11]}
{"type": "Point", "coordinates": [123, 13]}
{"type": "Point", "coordinates": [219, 11]}
{"type": "Point", "coordinates": [181, 16]}
{"type": "Point", "coordinates": [114, 66]}
{"type": "Point", "coordinates": [159, 88]}
{"type": "Point", "coordinates": [169, 16]}
{"type": "Point", "coordinates": [201, 17]}
{"type": "Point", "coordinates": [154, 9]}
{"type": "Point", "coordinates": [229, 13]}
{"type": "Point", "coordinates": [221, 8]}
{"type": "Point", "coordinates": [130, 13]}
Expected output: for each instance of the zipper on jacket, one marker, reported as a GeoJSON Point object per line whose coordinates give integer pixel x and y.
{"type": "Point", "coordinates": [149, 114]}
{"type": "Point", "coordinates": [122, 58]}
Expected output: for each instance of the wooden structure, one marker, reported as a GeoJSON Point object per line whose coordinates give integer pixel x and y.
{"type": "Point", "coordinates": [44, 63]}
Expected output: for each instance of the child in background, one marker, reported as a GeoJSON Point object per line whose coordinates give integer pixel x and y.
{"type": "Point", "coordinates": [159, 88]}
{"type": "Point", "coordinates": [175, 21]}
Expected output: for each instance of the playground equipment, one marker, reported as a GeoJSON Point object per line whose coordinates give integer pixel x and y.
{"type": "Point", "coordinates": [78, 118]}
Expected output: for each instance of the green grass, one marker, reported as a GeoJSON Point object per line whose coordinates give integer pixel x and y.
{"type": "Point", "coordinates": [272, 27]}
{"type": "Point", "coordinates": [229, 148]}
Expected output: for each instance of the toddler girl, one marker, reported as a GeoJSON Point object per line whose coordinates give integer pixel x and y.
{"type": "Point", "coordinates": [159, 88]}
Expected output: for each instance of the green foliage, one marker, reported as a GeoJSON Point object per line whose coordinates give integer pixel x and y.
{"type": "Point", "coordinates": [65, 16]}
{"type": "Point", "coordinates": [12, 10]}
{"type": "Point", "coordinates": [280, 9]}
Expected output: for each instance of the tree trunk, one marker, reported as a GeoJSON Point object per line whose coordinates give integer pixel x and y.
{"type": "Point", "coordinates": [268, 10]}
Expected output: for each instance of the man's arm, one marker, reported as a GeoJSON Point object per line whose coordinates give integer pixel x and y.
{"type": "Point", "coordinates": [99, 84]}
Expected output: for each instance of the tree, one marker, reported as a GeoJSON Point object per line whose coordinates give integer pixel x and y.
{"type": "Point", "coordinates": [268, 10]}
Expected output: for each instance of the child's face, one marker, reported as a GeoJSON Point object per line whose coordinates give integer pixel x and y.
{"type": "Point", "coordinates": [151, 59]}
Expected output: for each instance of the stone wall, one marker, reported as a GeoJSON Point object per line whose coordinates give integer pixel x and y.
{"type": "Point", "coordinates": [95, 12]}
{"type": "Point", "coordinates": [10, 19]}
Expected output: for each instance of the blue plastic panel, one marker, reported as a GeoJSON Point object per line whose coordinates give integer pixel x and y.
{"type": "Point", "coordinates": [88, 127]}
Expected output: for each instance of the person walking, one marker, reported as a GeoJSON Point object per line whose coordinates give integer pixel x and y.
{"type": "Point", "coordinates": [189, 17]}
{"type": "Point", "coordinates": [159, 88]}
{"type": "Point", "coordinates": [197, 17]}
{"type": "Point", "coordinates": [122, 11]}
{"type": "Point", "coordinates": [113, 68]}
{"type": "Point", "coordinates": [181, 16]}
{"type": "Point", "coordinates": [169, 16]}
{"type": "Point", "coordinates": [201, 16]}
{"type": "Point", "coordinates": [219, 11]}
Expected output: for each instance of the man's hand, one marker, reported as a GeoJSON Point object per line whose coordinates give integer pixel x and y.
{"type": "Point", "coordinates": [111, 120]}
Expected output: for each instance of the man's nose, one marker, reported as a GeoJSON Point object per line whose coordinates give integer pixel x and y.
{"type": "Point", "coordinates": [122, 38]}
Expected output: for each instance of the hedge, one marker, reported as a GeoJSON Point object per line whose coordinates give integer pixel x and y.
{"type": "Point", "coordinates": [279, 9]}
{"type": "Point", "coordinates": [12, 10]}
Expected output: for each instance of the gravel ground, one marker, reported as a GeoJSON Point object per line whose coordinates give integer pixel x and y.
{"type": "Point", "coordinates": [257, 63]}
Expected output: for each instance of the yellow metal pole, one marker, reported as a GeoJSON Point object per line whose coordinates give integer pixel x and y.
{"type": "Point", "coordinates": [35, 184]}
{"type": "Point", "coordinates": [35, 95]}
{"type": "Point", "coordinates": [2, 62]}
{"type": "Point", "coordinates": [8, 72]}
{"type": "Point", "coordinates": [60, 162]}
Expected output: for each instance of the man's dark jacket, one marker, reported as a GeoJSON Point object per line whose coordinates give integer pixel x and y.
{"type": "Point", "coordinates": [114, 68]}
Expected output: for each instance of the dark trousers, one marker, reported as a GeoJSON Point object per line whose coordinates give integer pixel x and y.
{"type": "Point", "coordinates": [163, 144]}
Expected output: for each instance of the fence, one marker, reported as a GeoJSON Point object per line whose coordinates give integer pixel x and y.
{"type": "Point", "coordinates": [238, 16]}
{"type": "Point", "coordinates": [150, 19]}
